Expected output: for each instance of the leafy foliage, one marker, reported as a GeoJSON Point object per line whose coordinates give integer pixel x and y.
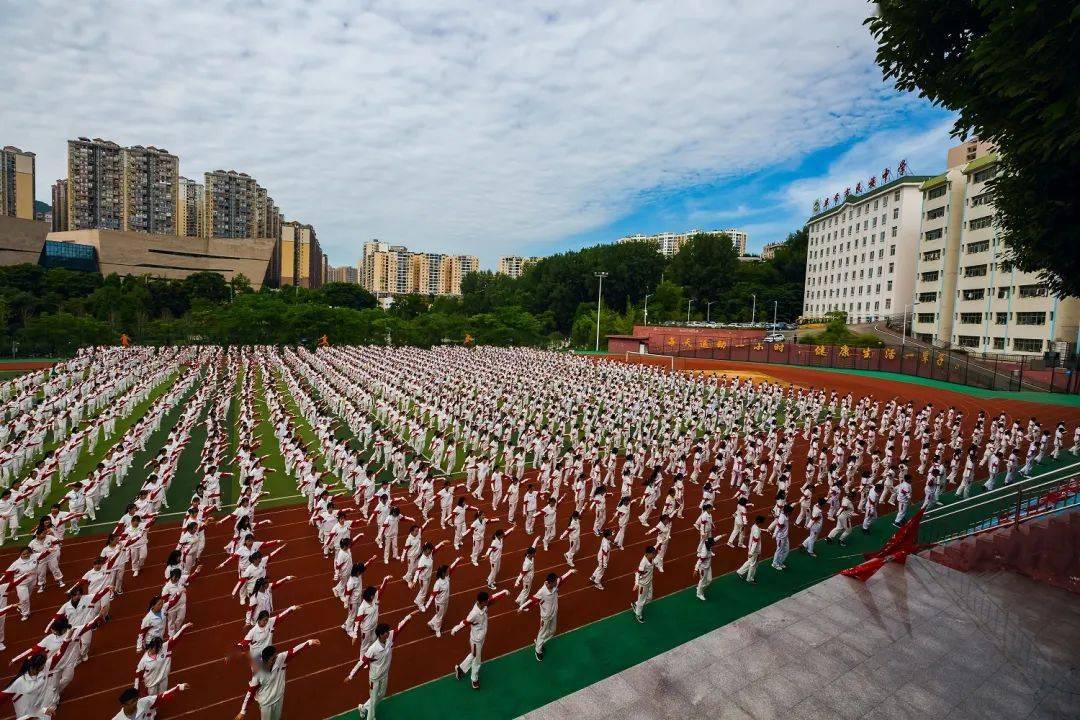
{"type": "Point", "coordinates": [1009, 71]}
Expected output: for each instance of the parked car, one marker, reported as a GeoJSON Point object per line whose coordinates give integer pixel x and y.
{"type": "Point", "coordinates": [774, 337]}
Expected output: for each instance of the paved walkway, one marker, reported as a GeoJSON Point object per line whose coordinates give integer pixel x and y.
{"type": "Point", "coordinates": [898, 646]}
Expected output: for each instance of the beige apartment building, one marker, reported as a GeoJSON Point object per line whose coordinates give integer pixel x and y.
{"type": "Point", "coordinates": [150, 190]}
{"type": "Point", "coordinates": [95, 185]}
{"type": "Point", "coordinates": [301, 257]}
{"type": "Point", "coordinates": [861, 253]}
{"type": "Point", "coordinates": [191, 209]}
{"type": "Point", "coordinates": [17, 176]}
{"type": "Point", "coordinates": [343, 274]}
{"type": "Point", "coordinates": [230, 205]}
{"type": "Point", "coordinates": [515, 265]}
{"type": "Point", "coordinates": [669, 243]}
{"type": "Point", "coordinates": [966, 293]}
{"type": "Point", "coordinates": [110, 187]}
{"type": "Point", "coordinates": [387, 270]}
{"type": "Point", "coordinates": [460, 266]}
{"type": "Point", "coordinates": [60, 205]}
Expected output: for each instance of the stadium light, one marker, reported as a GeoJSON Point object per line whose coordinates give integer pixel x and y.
{"type": "Point", "coordinates": [599, 293]}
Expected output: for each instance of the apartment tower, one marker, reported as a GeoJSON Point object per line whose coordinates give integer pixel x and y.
{"type": "Point", "coordinates": [17, 176]}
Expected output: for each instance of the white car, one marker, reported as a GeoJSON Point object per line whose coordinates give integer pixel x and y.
{"type": "Point", "coordinates": [774, 337]}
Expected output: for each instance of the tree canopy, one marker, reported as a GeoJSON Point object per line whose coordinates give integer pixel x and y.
{"type": "Point", "coordinates": [1009, 71]}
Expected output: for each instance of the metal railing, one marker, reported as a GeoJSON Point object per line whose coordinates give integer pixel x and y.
{"type": "Point", "coordinates": [1011, 505]}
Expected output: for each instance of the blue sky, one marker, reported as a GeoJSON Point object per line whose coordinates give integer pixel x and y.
{"type": "Point", "coordinates": [478, 127]}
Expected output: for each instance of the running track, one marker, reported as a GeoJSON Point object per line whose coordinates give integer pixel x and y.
{"type": "Point", "coordinates": [206, 656]}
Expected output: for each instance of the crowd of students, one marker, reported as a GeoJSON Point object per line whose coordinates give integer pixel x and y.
{"type": "Point", "coordinates": [437, 457]}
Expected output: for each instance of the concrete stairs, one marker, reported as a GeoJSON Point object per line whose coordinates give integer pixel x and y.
{"type": "Point", "coordinates": [1046, 550]}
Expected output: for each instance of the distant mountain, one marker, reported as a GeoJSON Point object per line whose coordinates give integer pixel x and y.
{"type": "Point", "coordinates": [42, 207]}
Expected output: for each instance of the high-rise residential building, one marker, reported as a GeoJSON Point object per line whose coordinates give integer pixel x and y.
{"type": "Point", "coordinates": [191, 209]}
{"type": "Point", "coordinates": [392, 270]}
{"type": "Point", "coordinates": [17, 177]}
{"type": "Point", "coordinates": [966, 293]}
{"type": "Point", "coordinates": [768, 252]}
{"type": "Point", "coordinates": [60, 206]}
{"type": "Point", "coordinates": [95, 185]}
{"type": "Point", "coordinates": [115, 188]}
{"type": "Point", "coordinates": [860, 256]}
{"type": "Point", "coordinates": [460, 266]}
{"type": "Point", "coordinates": [150, 190]}
{"type": "Point", "coordinates": [669, 243]}
{"type": "Point", "coordinates": [230, 205]}
{"type": "Point", "coordinates": [514, 265]}
{"type": "Point", "coordinates": [302, 261]}
{"type": "Point", "coordinates": [343, 274]}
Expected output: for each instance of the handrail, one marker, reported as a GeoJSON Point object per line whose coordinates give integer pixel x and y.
{"type": "Point", "coordinates": [1000, 492]}
{"type": "Point", "coordinates": [1011, 506]}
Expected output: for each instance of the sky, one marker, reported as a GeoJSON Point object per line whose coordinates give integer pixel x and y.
{"type": "Point", "coordinates": [482, 128]}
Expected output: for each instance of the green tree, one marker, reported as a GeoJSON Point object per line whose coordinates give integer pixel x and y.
{"type": "Point", "coordinates": [347, 295]}
{"type": "Point", "coordinates": [210, 286]}
{"type": "Point", "coordinates": [705, 266]}
{"type": "Point", "coordinates": [1009, 71]}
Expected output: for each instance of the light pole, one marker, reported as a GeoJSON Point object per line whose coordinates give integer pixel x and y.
{"type": "Point", "coordinates": [774, 303]}
{"type": "Point", "coordinates": [599, 293]}
{"type": "Point", "coordinates": [708, 308]}
{"type": "Point", "coordinates": [688, 310]}
{"type": "Point", "coordinates": [753, 310]}
{"type": "Point", "coordinates": [903, 330]}
{"type": "Point", "coordinates": [647, 308]}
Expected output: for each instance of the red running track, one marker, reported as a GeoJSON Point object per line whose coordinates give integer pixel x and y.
{"type": "Point", "coordinates": [206, 657]}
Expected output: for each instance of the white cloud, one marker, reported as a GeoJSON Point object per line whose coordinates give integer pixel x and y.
{"type": "Point", "coordinates": [479, 127]}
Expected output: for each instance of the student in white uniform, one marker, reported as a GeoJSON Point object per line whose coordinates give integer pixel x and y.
{"type": "Point", "coordinates": [261, 633]}
{"type": "Point", "coordinates": [152, 672]}
{"type": "Point", "coordinates": [477, 622]}
{"type": "Point", "coordinates": [377, 659]}
{"type": "Point", "coordinates": [31, 692]}
{"type": "Point", "coordinates": [547, 598]}
{"type": "Point", "coordinates": [643, 583]}
{"type": "Point", "coordinates": [753, 551]}
{"type": "Point", "coordinates": [133, 707]}
{"type": "Point", "coordinates": [267, 685]}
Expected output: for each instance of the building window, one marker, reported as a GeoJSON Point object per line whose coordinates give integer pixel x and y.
{"type": "Point", "coordinates": [1001, 318]}
{"type": "Point", "coordinates": [975, 271]}
{"type": "Point", "coordinates": [1027, 345]}
{"type": "Point", "coordinates": [928, 297]}
{"type": "Point", "coordinates": [930, 276]}
{"type": "Point", "coordinates": [982, 199]}
{"type": "Point", "coordinates": [934, 192]}
{"type": "Point", "coordinates": [984, 175]}
{"type": "Point", "coordinates": [935, 213]}
{"type": "Point", "coordinates": [999, 343]}
{"type": "Point", "coordinates": [926, 317]}
{"type": "Point", "coordinates": [980, 223]}
{"type": "Point", "coordinates": [977, 247]}
{"type": "Point", "coordinates": [974, 294]}
{"type": "Point", "coordinates": [968, 341]}
{"type": "Point", "coordinates": [970, 318]}
{"type": "Point", "coordinates": [931, 255]}
{"type": "Point", "coordinates": [931, 235]}
{"type": "Point", "coordinates": [1031, 318]}
{"type": "Point", "coordinates": [1030, 291]}
{"type": "Point", "coordinates": [1004, 292]}
{"type": "Point", "coordinates": [892, 266]}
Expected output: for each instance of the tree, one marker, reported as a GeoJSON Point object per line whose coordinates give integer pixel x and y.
{"type": "Point", "coordinates": [347, 295]}
{"type": "Point", "coordinates": [240, 284]}
{"type": "Point", "coordinates": [210, 286]}
{"type": "Point", "coordinates": [705, 266]}
{"type": "Point", "coordinates": [1009, 70]}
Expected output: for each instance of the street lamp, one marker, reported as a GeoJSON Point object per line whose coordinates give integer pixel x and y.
{"type": "Point", "coordinates": [708, 308]}
{"type": "Point", "coordinates": [599, 293]}
{"type": "Point", "coordinates": [774, 303]}
{"type": "Point", "coordinates": [753, 310]}
{"type": "Point", "coordinates": [647, 308]}
{"type": "Point", "coordinates": [903, 331]}
{"type": "Point", "coordinates": [688, 311]}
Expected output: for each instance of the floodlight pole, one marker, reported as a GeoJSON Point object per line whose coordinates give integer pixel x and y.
{"type": "Point", "coordinates": [599, 294]}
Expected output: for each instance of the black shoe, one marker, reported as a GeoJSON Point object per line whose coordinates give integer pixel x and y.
{"type": "Point", "coordinates": [475, 684]}
{"type": "Point", "coordinates": [539, 655]}
{"type": "Point", "coordinates": [457, 672]}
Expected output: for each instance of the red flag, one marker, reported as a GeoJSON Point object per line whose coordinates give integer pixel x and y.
{"type": "Point", "coordinates": [864, 571]}
{"type": "Point", "coordinates": [904, 540]}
